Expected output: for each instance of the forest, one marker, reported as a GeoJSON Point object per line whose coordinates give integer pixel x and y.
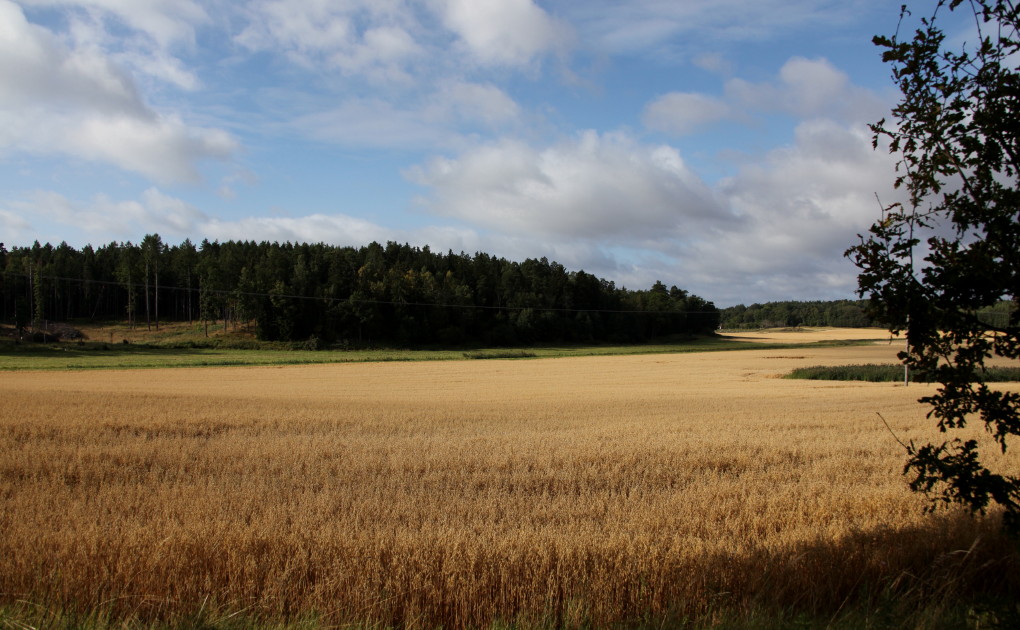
{"type": "Point", "coordinates": [830, 314]}
{"type": "Point", "coordinates": [376, 294]}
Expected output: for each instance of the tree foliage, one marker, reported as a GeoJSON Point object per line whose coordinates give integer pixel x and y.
{"type": "Point", "coordinates": [931, 265]}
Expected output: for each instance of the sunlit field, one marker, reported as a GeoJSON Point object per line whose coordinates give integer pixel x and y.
{"type": "Point", "coordinates": [540, 492]}
{"type": "Point", "coordinates": [811, 335]}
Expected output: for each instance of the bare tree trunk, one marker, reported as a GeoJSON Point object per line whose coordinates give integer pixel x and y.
{"type": "Point", "coordinates": [148, 320]}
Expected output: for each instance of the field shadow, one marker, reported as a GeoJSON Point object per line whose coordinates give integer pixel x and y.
{"type": "Point", "coordinates": [951, 561]}
{"type": "Point", "coordinates": [888, 577]}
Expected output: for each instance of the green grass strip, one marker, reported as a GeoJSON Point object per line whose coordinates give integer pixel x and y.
{"type": "Point", "coordinates": [106, 356]}
{"type": "Point", "coordinates": [872, 373]}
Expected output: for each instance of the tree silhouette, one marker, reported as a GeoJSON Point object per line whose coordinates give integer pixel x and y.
{"type": "Point", "coordinates": [955, 132]}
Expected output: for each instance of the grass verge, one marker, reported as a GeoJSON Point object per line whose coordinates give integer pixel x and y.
{"type": "Point", "coordinates": [90, 355]}
{"type": "Point", "coordinates": [500, 354]}
{"type": "Point", "coordinates": [872, 373]}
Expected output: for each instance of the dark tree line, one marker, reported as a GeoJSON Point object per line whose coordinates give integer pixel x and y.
{"type": "Point", "coordinates": [389, 293]}
{"type": "Point", "coordinates": [829, 314]}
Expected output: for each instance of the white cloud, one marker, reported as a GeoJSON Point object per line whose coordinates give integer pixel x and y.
{"type": "Point", "coordinates": [135, 34]}
{"type": "Point", "coordinates": [370, 38]}
{"type": "Point", "coordinates": [636, 213]}
{"type": "Point", "coordinates": [77, 102]}
{"type": "Point", "coordinates": [801, 206]}
{"type": "Point", "coordinates": [809, 88]}
{"type": "Point", "coordinates": [804, 89]}
{"type": "Point", "coordinates": [36, 68]}
{"type": "Point", "coordinates": [504, 32]}
{"type": "Point", "coordinates": [681, 113]}
{"type": "Point", "coordinates": [154, 211]}
{"type": "Point", "coordinates": [163, 149]}
{"type": "Point", "coordinates": [396, 40]}
{"type": "Point", "coordinates": [591, 187]}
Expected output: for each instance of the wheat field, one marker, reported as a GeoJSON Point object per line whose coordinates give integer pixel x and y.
{"type": "Point", "coordinates": [547, 492]}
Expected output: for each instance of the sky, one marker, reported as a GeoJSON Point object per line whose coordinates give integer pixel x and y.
{"type": "Point", "coordinates": [720, 146]}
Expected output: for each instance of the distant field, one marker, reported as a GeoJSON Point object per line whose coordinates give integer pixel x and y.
{"type": "Point", "coordinates": [811, 335]}
{"type": "Point", "coordinates": [579, 491]}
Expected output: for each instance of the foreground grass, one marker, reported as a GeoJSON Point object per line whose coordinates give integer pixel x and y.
{"type": "Point", "coordinates": [872, 373]}
{"type": "Point", "coordinates": [883, 615]}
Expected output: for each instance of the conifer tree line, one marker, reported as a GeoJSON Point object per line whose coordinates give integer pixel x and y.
{"type": "Point", "coordinates": [393, 293]}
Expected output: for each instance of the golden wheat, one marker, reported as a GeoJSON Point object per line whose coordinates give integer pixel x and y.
{"type": "Point", "coordinates": [562, 491]}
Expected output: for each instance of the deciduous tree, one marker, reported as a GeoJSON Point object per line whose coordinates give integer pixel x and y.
{"type": "Point", "coordinates": [931, 264]}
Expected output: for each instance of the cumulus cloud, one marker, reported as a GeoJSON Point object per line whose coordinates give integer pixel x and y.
{"type": "Point", "coordinates": [801, 207]}
{"type": "Point", "coordinates": [396, 41]}
{"type": "Point", "coordinates": [809, 88]}
{"type": "Point", "coordinates": [504, 32]}
{"type": "Point", "coordinates": [681, 113]}
{"type": "Point", "coordinates": [163, 148]}
{"type": "Point", "coordinates": [138, 34]}
{"type": "Point", "coordinates": [36, 68]}
{"type": "Point", "coordinates": [76, 101]}
{"type": "Point", "coordinates": [804, 89]}
{"type": "Point", "coordinates": [592, 186]}
{"type": "Point", "coordinates": [637, 213]}
{"type": "Point", "coordinates": [362, 37]}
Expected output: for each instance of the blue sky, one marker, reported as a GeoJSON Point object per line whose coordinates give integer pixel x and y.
{"type": "Point", "coordinates": [721, 146]}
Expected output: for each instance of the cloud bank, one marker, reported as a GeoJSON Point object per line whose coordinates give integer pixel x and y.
{"type": "Point", "coordinates": [470, 106]}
